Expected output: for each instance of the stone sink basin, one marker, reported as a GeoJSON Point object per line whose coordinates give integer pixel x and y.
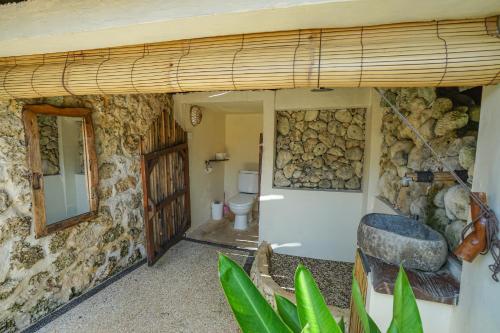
{"type": "Point", "coordinates": [398, 240]}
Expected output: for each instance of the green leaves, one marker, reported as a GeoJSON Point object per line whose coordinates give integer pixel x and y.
{"type": "Point", "coordinates": [405, 317]}
{"type": "Point", "coordinates": [311, 305]}
{"type": "Point", "coordinates": [288, 312]}
{"type": "Point", "coordinates": [251, 310]}
{"type": "Point", "coordinates": [342, 324]}
{"type": "Point", "coordinates": [368, 324]}
{"type": "Point", "coordinates": [405, 314]}
{"type": "Point", "coordinates": [311, 314]}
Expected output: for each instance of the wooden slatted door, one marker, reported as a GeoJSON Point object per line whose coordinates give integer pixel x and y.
{"type": "Point", "coordinates": [165, 182]}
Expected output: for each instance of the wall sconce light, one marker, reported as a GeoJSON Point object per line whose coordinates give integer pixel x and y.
{"type": "Point", "coordinates": [196, 115]}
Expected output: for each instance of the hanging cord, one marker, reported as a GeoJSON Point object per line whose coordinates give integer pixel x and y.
{"type": "Point", "coordinates": [33, 76]}
{"type": "Point", "coordinates": [361, 58]}
{"type": "Point", "coordinates": [184, 54]}
{"type": "Point", "coordinates": [234, 59]}
{"type": "Point", "coordinates": [133, 67]}
{"type": "Point", "coordinates": [5, 79]}
{"type": "Point", "coordinates": [495, 253]}
{"type": "Point", "coordinates": [295, 57]}
{"type": "Point", "coordinates": [319, 58]}
{"type": "Point", "coordinates": [492, 241]}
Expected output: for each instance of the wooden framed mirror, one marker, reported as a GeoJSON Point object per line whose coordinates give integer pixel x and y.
{"type": "Point", "coordinates": [63, 166]}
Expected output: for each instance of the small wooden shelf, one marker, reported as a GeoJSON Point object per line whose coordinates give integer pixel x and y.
{"type": "Point", "coordinates": [209, 162]}
{"type": "Point", "coordinates": [226, 159]}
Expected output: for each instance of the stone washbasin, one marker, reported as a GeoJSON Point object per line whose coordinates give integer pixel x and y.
{"type": "Point", "coordinates": [398, 240]}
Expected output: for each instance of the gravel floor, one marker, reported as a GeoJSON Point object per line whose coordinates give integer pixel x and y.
{"type": "Point", "coordinates": [333, 277]}
{"type": "Point", "coordinates": [180, 293]}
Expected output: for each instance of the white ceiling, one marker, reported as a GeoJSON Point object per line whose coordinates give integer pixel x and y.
{"type": "Point", "coordinates": [232, 107]}
{"type": "Point", "coordinates": [43, 26]}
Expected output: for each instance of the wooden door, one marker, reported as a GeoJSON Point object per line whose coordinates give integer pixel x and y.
{"type": "Point", "coordinates": [165, 182]}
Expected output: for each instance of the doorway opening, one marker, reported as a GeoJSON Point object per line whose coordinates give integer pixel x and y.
{"type": "Point", "coordinates": [225, 164]}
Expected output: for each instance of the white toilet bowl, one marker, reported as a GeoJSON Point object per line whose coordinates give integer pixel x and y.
{"type": "Point", "coordinates": [241, 205]}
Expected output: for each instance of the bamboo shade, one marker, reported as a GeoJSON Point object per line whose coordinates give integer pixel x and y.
{"type": "Point", "coordinates": [444, 53]}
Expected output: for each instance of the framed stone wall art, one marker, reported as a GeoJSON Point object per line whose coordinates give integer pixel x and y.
{"type": "Point", "coordinates": [319, 149]}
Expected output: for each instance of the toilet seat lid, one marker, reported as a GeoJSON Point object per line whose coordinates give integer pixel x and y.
{"type": "Point", "coordinates": [241, 199]}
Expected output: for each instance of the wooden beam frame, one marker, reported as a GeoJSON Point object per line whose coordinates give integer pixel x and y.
{"type": "Point", "coordinates": [32, 136]}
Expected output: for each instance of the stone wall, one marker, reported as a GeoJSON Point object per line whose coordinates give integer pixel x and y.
{"type": "Point", "coordinates": [449, 121]}
{"type": "Point", "coordinates": [320, 149]}
{"type": "Point", "coordinates": [39, 275]}
{"type": "Point", "coordinates": [49, 144]}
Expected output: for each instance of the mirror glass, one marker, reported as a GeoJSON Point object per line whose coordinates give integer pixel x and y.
{"type": "Point", "coordinates": [63, 167]}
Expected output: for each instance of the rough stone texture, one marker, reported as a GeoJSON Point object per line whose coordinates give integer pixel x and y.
{"type": "Point", "coordinates": [320, 149]}
{"type": "Point", "coordinates": [453, 232]}
{"type": "Point", "coordinates": [39, 275]}
{"type": "Point", "coordinates": [5, 201]}
{"type": "Point", "coordinates": [400, 240]}
{"type": "Point", "coordinates": [49, 144]}
{"type": "Point", "coordinates": [438, 220]}
{"type": "Point", "coordinates": [456, 202]}
{"type": "Point", "coordinates": [449, 122]}
{"type": "Point", "coordinates": [467, 157]}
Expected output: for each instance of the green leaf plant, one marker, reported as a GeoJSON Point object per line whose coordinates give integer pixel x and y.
{"type": "Point", "coordinates": [310, 314]}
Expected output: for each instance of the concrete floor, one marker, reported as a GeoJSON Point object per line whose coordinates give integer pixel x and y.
{"type": "Point", "coordinates": [222, 232]}
{"type": "Point", "coordinates": [180, 293]}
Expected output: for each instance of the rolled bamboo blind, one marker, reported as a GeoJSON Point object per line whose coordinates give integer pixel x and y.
{"type": "Point", "coordinates": [445, 53]}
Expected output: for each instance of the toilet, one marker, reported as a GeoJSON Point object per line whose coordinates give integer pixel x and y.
{"type": "Point", "coordinates": [242, 203]}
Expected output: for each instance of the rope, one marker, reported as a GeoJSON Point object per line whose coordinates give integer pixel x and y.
{"type": "Point", "coordinates": [492, 240]}
{"type": "Point", "coordinates": [5, 80]}
{"type": "Point", "coordinates": [179, 65]}
{"type": "Point", "coordinates": [446, 53]}
{"type": "Point", "coordinates": [234, 59]}
{"type": "Point", "coordinates": [319, 58]}
{"type": "Point", "coordinates": [33, 76]}
{"type": "Point", "coordinates": [63, 76]}
{"type": "Point", "coordinates": [295, 57]}
{"type": "Point", "coordinates": [495, 253]}
{"type": "Point", "coordinates": [133, 66]}
{"type": "Point", "coordinates": [97, 72]}
{"type": "Point", "coordinates": [361, 59]}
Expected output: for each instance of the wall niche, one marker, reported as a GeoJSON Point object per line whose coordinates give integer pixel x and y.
{"type": "Point", "coordinates": [319, 149]}
{"type": "Point", "coordinates": [448, 118]}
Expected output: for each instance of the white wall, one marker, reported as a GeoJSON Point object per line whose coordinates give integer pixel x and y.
{"type": "Point", "coordinates": [242, 144]}
{"type": "Point", "coordinates": [435, 316]}
{"type": "Point", "coordinates": [373, 153]}
{"type": "Point", "coordinates": [479, 304]}
{"type": "Point", "coordinates": [204, 141]}
{"type": "Point", "coordinates": [318, 224]}
{"type": "Point", "coordinates": [61, 25]}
